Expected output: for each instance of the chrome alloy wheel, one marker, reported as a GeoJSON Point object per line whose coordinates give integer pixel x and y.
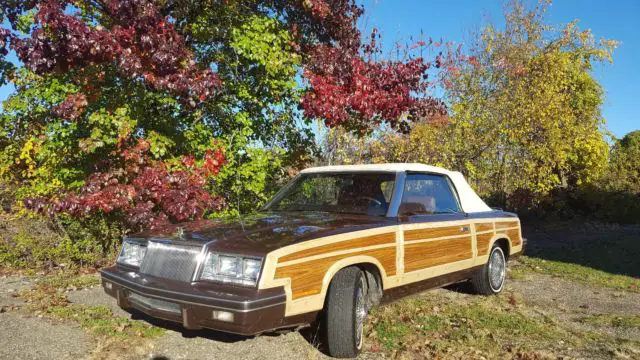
{"type": "Point", "coordinates": [361, 311]}
{"type": "Point", "coordinates": [497, 264]}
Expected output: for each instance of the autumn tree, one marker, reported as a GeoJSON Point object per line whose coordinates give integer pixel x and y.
{"type": "Point", "coordinates": [623, 174]}
{"type": "Point", "coordinates": [528, 110]}
{"type": "Point", "coordinates": [525, 112]}
{"type": "Point", "coordinates": [127, 107]}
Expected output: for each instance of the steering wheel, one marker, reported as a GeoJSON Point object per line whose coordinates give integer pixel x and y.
{"type": "Point", "coordinates": [376, 201]}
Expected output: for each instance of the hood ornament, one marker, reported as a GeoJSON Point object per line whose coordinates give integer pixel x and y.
{"type": "Point", "coordinates": [180, 232]}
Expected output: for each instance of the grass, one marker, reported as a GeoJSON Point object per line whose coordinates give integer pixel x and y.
{"type": "Point", "coordinates": [69, 281]}
{"type": "Point", "coordinates": [491, 327]}
{"type": "Point", "coordinates": [99, 320]}
{"type": "Point", "coordinates": [458, 326]}
{"type": "Point", "coordinates": [575, 272]}
{"type": "Point", "coordinates": [596, 254]}
{"type": "Point", "coordinates": [617, 321]}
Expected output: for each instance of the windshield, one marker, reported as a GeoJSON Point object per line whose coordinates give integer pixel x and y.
{"type": "Point", "coordinates": [363, 193]}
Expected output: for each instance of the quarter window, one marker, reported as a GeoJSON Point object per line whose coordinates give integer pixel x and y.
{"type": "Point", "coordinates": [426, 194]}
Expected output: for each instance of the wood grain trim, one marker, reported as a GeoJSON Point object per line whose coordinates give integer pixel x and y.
{"type": "Point", "coordinates": [380, 239]}
{"type": "Point", "coordinates": [514, 235]}
{"type": "Point", "coordinates": [427, 254]}
{"type": "Point", "coordinates": [505, 225]}
{"type": "Point", "coordinates": [483, 242]}
{"type": "Point", "coordinates": [430, 233]}
{"type": "Point", "coordinates": [307, 278]}
{"type": "Point", "coordinates": [484, 227]}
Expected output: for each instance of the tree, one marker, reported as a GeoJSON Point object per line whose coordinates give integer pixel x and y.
{"type": "Point", "coordinates": [525, 112]}
{"type": "Point", "coordinates": [176, 81]}
{"type": "Point", "coordinates": [623, 173]}
{"type": "Point", "coordinates": [527, 109]}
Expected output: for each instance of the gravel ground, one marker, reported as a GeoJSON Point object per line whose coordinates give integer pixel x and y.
{"type": "Point", "coordinates": [10, 286]}
{"type": "Point", "coordinates": [550, 292]}
{"type": "Point", "coordinates": [178, 343]}
{"type": "Point", "coordinates": [23, 337]}
{"type": "Point", "coordinates": [571, 302]}
{"type": "Point", "coordinates": [96, 296]}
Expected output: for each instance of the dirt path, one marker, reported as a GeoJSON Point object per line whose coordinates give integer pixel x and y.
{"type": "Point", "coordinates": [27, 337]}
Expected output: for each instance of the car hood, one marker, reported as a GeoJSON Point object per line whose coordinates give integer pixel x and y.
{"type": "Point", "coordinates": [261, 233]}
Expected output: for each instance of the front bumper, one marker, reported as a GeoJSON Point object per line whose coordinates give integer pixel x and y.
{"type": "Point", "coordinates": [193, 304]}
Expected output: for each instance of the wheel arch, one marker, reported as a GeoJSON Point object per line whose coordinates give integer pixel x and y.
{"type": "Point", "coordinates": [504, 242]}
{"type": "Point", "coordinates": [368, 264]}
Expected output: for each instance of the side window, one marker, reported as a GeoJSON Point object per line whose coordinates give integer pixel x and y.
{"type": "Point", "coordinates": [426, 194]}
{"type": "Point", "coordinates": [387, 190]}
{"type": "Point", "coordinates": [315, 190]}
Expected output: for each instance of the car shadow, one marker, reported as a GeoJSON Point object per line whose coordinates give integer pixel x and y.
{"type": "Point", "coordinates": [187, 333]}
{"type": "Point", "coordinates": [464, 287]}
{"type": "Point", "coordinates": [313, 334]}
{"type": "Point", "coordinates": [610, 248]}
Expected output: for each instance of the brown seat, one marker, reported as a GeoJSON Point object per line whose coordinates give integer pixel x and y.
{"type": "Point", "coordinates": [411, 208]}
{"type": "Point", "coordinates": [417, 204]}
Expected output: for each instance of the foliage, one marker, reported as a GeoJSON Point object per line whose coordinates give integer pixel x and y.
{"type": "Point", "coordinates": [351, 90]}
{"type": "Point", "coordinates": [614, 197]}
{"type": "Point", "coordinates": [525, 114]}
{"type": "Point", "coordinates": [623, 174]}
{"type": "Point", "coordinates": [187, 80]}
{"type": "Point", "coordinates": [37, 243]}
{"type": "Point", "coordinates": [146, 192]}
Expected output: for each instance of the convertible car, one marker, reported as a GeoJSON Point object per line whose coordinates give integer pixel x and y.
{"type": "Point", "coordinates": [332, 243]}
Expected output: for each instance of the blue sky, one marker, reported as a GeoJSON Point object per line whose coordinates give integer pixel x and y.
{"type": "Point", "coordinates": [457, 20]}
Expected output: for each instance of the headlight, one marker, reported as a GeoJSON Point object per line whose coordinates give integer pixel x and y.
{"type": "Point", "coordinates": [232, 269]}
{"type": "Point", "coordinates": [132, 253]}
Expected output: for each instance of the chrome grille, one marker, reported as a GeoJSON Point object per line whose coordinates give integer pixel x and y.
{"type": "Point", "coordinates": [169, 261]}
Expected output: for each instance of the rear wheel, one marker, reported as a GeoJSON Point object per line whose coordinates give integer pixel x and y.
{"type": "Point", "coordinates": [490, 279]}
{"type": "Point", "coordinates": [346, 313]}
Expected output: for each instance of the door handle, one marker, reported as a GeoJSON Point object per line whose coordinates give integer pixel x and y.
{"type": "Point", "coordinates": [464, 229]}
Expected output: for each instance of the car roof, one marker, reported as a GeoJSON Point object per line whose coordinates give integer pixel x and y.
{"type": "Point", "coordinates": [390, 167]}
{"type": "Point", "coordinates": [470, 201]}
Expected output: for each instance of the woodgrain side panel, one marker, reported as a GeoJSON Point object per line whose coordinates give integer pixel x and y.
{"type": "Point", "coordinates": [483, 241]}
{"type": "Point", "coordinates": [427, 254]}
{"type": "Point", "coordinates": [420, 234]}
{"type": "Point", "coordinates": [306, 278]}
{"type": "Point", "coordinates": [504, 225]}
{"type": "Point", "coordinates": [484, 227]}
{"type": "Point", "coordinates": [379, 239]}
{"type": "Point", "coordinates": [514, 235]}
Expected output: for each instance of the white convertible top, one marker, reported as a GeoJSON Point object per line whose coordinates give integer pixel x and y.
{"type": "Point", "coordinates": [470, 201]}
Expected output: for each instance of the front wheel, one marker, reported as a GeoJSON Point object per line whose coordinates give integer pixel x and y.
{"type": "Point", "coordinates": [490, 279]}
{"type": "Point", "coordinates": [346, 313]}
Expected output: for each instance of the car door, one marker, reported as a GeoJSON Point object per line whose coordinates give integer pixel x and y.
{"type": "Point", "coordinates": [437, 236]}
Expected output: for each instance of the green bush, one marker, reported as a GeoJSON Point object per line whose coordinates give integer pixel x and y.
{"type": "Point", "coordinates": [37, 243]}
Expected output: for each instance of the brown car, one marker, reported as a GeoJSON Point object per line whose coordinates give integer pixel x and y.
{"type": "Point", "coordinates": [332, 243]}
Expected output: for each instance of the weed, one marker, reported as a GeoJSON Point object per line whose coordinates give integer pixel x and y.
{"type": "Point", "coordinates": [99, 320]}
{"type": "Point", "coordinates": [66, 281]}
